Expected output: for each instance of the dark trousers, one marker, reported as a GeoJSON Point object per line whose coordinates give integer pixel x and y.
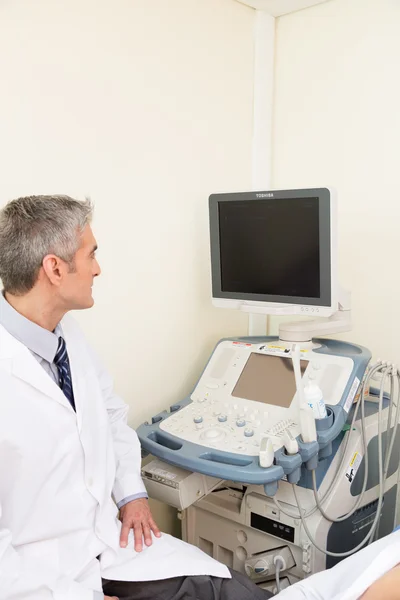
{"type": "Point", "coordinates": [240, 587]}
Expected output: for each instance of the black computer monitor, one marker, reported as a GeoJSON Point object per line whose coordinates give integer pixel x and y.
{"type": "Point", "coordinates": [274, 251]}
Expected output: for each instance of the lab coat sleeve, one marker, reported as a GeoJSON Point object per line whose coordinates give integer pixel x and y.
{"type": "Point", "coordinates": [128, 480]}
{"type": "Point", "coordinates": [24, 579]}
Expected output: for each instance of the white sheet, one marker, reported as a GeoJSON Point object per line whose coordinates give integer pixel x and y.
{"type": "Point", "coordinates": [352, 577]}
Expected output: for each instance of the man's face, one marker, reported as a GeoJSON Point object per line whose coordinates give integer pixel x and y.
{"type": "Point", "coordinates": [76, 288]}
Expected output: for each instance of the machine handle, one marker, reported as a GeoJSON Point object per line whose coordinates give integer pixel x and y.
{"type": "Point", "coordinates": [212, 462]}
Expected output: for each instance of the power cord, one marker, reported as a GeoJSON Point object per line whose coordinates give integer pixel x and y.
{"type": "Point", "coordinates": [386, 370]}
{"type": "Point", "coordinates": [380, 501]}
{"type": "Point", "coordinates": [279, 566]}
{"type": "Point", "coordinates": [326, 495]}
{"type": "Point", "coordinates": [388, 452]}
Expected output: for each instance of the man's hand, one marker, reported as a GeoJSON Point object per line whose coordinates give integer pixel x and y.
{"type": "Point", "coordinates": [110, 598]}
{"type": "Point", "coordinates": [136, 515]}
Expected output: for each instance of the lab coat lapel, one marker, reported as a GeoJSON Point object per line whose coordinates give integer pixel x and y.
{"type": "Point", "coordinates": [16, 358]}
{"type": "Point", "coordinates": [26, 367]}
{"type": "Point", "coordinates": [79, 367]}
{"type": "Point", "coordinates": [92, 420]}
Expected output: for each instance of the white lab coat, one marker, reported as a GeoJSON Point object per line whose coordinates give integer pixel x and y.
{"type": "Point", "coordinates": [58, 470]}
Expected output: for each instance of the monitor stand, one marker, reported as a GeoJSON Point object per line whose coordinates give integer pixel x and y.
{"type": "Point", "coordinates": [258, 325]}
{"type": "Point", "coordinates": [305, 331]}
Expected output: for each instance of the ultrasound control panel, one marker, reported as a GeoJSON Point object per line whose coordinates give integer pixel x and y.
{"type": "Point", "coordinates": [247, 391]}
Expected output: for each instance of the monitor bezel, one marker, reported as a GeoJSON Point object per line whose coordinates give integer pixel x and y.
{"type": "Point", "coordinates": [327, 301]}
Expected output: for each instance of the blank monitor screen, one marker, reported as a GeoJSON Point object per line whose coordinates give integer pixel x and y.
{"type": "Point", "coordinates": [270, 247]}
{"type": "Point", "coordinates": [268, 379]}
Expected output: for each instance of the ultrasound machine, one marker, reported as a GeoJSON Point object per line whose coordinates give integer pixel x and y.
{"type": "Point", "coordinates": [284, 458]}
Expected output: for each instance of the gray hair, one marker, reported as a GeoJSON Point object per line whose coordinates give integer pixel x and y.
{"type": "Point", "coordinates": [31, 228]}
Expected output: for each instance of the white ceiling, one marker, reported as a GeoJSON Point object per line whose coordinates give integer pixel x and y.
{"type": "Point", "coordinates": [277, 8]}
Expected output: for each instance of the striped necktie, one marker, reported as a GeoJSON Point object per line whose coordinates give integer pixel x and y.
{"type": "Point", "coordinates": [62, 362]}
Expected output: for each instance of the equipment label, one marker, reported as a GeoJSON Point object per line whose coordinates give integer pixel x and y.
{"type": "Point", "coordinates": [360, 388]}
{"type": "Point", "coordinates": [163, 473]}
{"type": "Point", "coordinates": [353, 466]}
{"type": "Point", "coordinates": [352, 393]}
{"type": "Point", "coordinates": [277, 350]}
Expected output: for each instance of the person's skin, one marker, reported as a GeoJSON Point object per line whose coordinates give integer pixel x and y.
{"type": "Point", "coordinates": [385, 588]}
{"type": "Point", "coordinates": [57, 290]}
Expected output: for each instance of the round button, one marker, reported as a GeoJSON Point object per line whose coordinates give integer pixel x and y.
{"type": "Point", "coordinates": [198, 420]}
{"type": "Point", "coordinates": [242, 536]}
{"type": "Point", "coordinates": [212, 434]}
{"type": "Point", "coordinates": [248, 432]}
{"type": "Point", "coordinates": [222, 418]}
{"type": "Point", "coordinates": [261, 566]}
{"type": "Point", "coordinates": [240, 423]}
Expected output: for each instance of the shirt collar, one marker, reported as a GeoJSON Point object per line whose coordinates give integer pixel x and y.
{"type": "Point", "coordinates": [42, 342]}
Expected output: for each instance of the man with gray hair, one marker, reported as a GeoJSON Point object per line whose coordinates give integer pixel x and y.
{"type": "Point", "coordinates": [68, 460]}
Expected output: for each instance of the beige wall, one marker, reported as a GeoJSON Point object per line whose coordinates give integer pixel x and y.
{"type": "Point", "coordinates": [337, 122]}
{"type": "Point", "coordinates": [147, 107]}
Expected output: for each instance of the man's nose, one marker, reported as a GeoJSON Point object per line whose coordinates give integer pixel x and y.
{"type": "Point", "coordinates": [97, 270]}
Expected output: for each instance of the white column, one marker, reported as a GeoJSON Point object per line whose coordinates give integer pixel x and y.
{"type": "Point", "coordinates": [264, 57]}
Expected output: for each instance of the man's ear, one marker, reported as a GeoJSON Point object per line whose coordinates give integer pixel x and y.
{"type": "Point", "coordinates": [54, 268]}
